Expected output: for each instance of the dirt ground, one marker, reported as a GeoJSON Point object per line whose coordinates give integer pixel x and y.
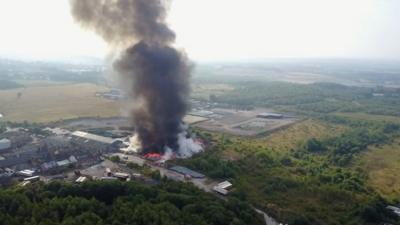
{"type": "Point", "coordinates": [243, 123]}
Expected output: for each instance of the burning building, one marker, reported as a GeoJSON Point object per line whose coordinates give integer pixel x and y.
{"type": "Point", "coordinates": [154, 74]}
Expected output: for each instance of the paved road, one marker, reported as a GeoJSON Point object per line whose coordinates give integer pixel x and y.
{"type": "Point", "coordinates": [268, 220]}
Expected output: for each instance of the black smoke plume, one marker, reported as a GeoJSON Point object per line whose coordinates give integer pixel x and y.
{"type": "Point", "coordinates": [157, 74]}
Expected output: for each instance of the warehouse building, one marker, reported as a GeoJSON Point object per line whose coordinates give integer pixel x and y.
{"type": "Point", "coordinates": [187, 172]}
{"type": "Point", "coordinates": [270, 116]}
{"type": "Point", "coordinates": [23, 155]}
{"type": "Point", "coordinates": [94, 143]}
{"type": "Point", "coordinates": [5, 144]}
{"type": "Point", "coordinates": [223, 187]}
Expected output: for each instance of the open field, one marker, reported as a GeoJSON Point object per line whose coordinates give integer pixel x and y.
{"type": "Point", "coordinates": [42, 83]}
{"type": "Point", "coordinates": [291, 137]}
{"type": "Point", "coordinates": [203, 91]}
{"type": "Point", "coordinates": [382, 164]}
{"type": "Point", "coordinates": [369, 117]}
{"type": "Point", "coordinates": [190, 119]}
{"type": "Point", "coordinates": [55, 102]}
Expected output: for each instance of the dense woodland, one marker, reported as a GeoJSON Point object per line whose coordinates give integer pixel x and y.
{"type": "Point", "coordinates": [117, 203]}
{"type": "Point", "coordinates": [313, 98]}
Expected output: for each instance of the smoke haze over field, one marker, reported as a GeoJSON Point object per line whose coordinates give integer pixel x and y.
{"type": "Point", "coordinates": [156, 74]}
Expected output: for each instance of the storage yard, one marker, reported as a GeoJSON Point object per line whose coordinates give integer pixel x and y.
{"type": "Point", "coordinates": [239, 122]}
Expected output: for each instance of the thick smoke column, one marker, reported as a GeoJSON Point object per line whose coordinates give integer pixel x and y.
{"type": "Point", "coordinates": [157, 75]}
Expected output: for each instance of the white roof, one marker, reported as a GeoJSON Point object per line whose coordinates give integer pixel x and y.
{"type": "Point", "coordinates": [121, 175]}
{"type": "Point", "coordinates": [4, 140]}
{"type": "Point", "coordinates": [27, 173]}
{"type": "Point", "coordinates": [224, 185]}
{"type": "Point", "coordinates": [4, 144]}
{"type": "Point", "coordinates": [81, 179]}
{"type": "Point", "coordinates": [63, 162]}
{"type": "Point", "coordinates": [72, 159]}
{"type": "Point", "coordinates": [220, 190]}
{"type": "Point", "coordinates": [269, 114]}
{"type": "Point", "coordinates": [93, 137]}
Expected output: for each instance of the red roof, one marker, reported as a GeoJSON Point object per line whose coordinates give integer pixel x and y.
{"type": "Point", "coordinates": [152, 156]}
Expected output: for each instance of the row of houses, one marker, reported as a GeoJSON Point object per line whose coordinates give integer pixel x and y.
{"type": "Point", "coordinates": [57, 151]}
{"type": "Point", "coordinates": [62, 164]}
{"type": "Point", "coordinates": [25, 154]}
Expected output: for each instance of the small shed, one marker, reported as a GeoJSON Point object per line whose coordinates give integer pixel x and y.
{"type": "Point", "coordinates": [223, 187]}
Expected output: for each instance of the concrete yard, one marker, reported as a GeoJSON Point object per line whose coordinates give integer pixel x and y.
{"type": "Point", "coordinates": [243, 123]}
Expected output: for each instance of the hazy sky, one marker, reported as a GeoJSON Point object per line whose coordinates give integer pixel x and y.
{"type": "Point", "coordinates": [221, 29]}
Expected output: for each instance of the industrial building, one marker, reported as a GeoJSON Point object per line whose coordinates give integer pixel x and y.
{"type": "Point", "coordinates": [5, 144]}
{"type": "Point", "coordinates": [23, 155]}
{"type": "Point", "coordinates": [223, 187]}
{"type": "Point", "coordinates": [94, 143]}
{"type": "Point", "coordinates": [270, 116]}
{"type": "Point", "coordinates": [62, 164]}
{"type": "Point", "coordinates": [32, 179]}
{"type": "Point", "coordinates": [6, 175]}
{"type": "Point", "coordinates": [26, 173]}
{"type": "Point", "coordinates": [122, 176]}
{"type": "Point", "coordinates": [92, 137]}
{"type": "Point", "coordinates": [81, 179]}
{"type": "Point", "coordinates": [187, 172]}
{"type": "Point", "coordinates": [66, 162]}
{"type": "Point", "coordinates": [17, 137]}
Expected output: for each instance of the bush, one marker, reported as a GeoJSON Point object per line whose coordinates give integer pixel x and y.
{"type": "Point", "coordinates": [115, 159]}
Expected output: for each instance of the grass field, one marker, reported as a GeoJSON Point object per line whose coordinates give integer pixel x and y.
{"type": "Point", "coordinates": [291, 137]}
{"type": "Point", "coordinates": [203, 91]}
{"type": "Point", "coordinates": [369, 117]}
{"type": "Point", "coordinates": [382, 164]}
{"type": "Point", "coordinates": [41, 83]}
{"type": "Point", "coordinates": [45, 103]}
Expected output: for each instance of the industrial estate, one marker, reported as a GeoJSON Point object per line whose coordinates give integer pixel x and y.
{"type": "Point", "coordinates": [63, 153]}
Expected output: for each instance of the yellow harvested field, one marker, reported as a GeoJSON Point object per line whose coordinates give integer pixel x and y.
{"type": "Point", "coordinates": [291, 137]}
{"type": "Point", "coordinates": [55, 102]}
{"type": "Point", "coordinates": [382, 164]}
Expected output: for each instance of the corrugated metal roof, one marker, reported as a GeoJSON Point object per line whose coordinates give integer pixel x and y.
{"type": "Point", "coordinates": [186, 171]}
{"type": "Point", "coordinates": [270, 114]}
{"type": "Point", "coordinates": [4, 140]}
{"type": "Point", "coordinates": [93, 137]}
{"type": "Point", "coordinates": [225, 185]}
{"type": "Point", "coordinates": [63, 162]}
{"type": "Point", "coordinates": [4, 144]}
